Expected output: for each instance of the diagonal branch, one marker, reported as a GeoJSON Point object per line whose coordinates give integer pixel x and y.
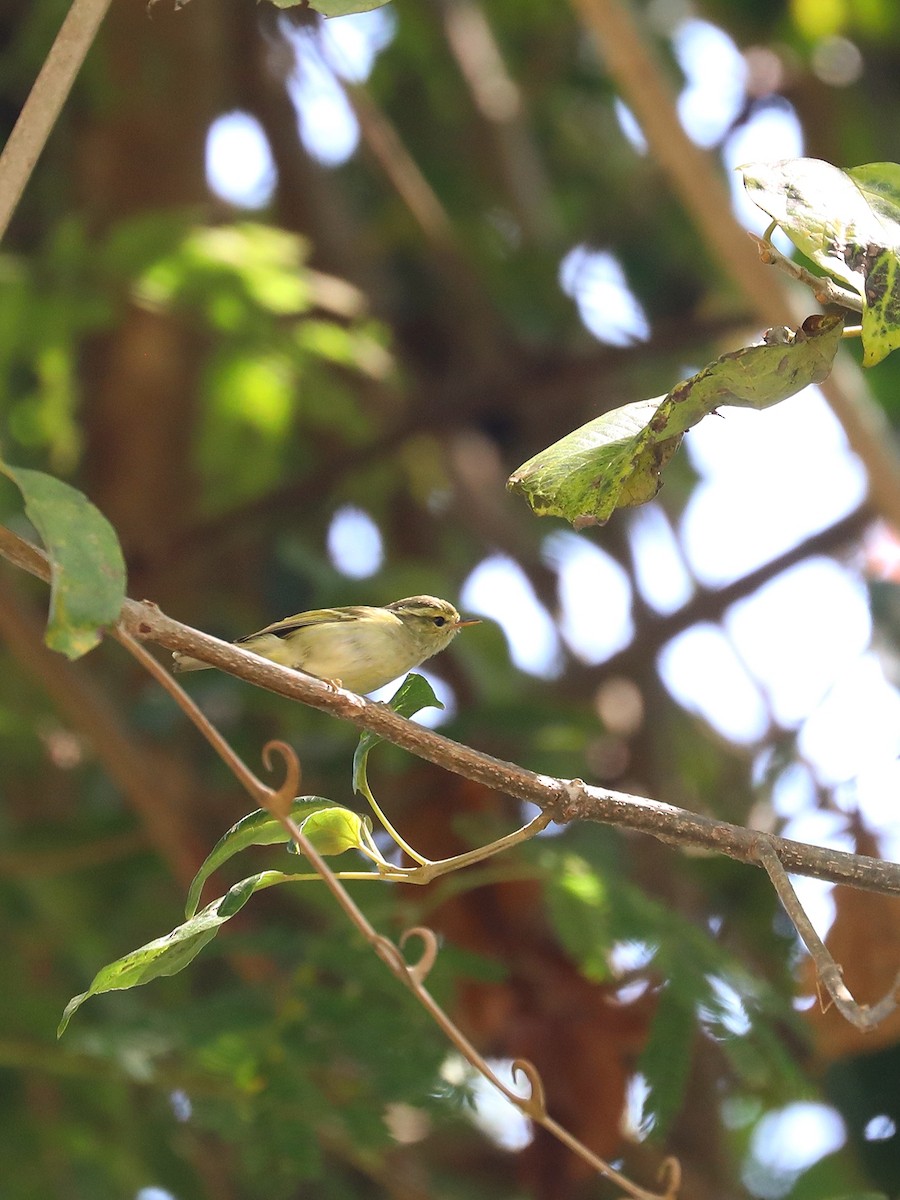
{"type": "Point", "coordinates": [563, 800]}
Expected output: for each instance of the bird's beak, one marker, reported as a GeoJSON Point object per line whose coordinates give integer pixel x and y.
{"type": "Point", "coordinates": [471, 621]}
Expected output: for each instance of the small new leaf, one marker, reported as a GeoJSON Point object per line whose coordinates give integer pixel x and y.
{"type": "Point", "coordinates": [87, 581]}
{"type": "Point", "coordinates": [414, 694]}
{"type": "Point", "coordinates": [334, 830]}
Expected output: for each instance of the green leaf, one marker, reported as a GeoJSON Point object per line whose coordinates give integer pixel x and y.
{"type": "Point", "coordinates": [609, 462]}
{"type": "Point", "coordinates": [343, 8]}
{"type": "Point", "coordinates": [615, 461]}
{"type": "Point", "coordinates": [821, 210]}
{"type": "Point", "coordinates": [258, 828]}
{"type": "Point", "coordinates": [848, 223]}
{"type": "Point", "coordinates": [414, 694]}
{"type": "Point", "coordinates": [880, 186]}
{"type": "Point", "coordinates": [335, 830]}
{"type": "Point", "coordinates": [170, 954]}
{"type": "Point", "coordinates": [881, 314]}
{"type": "Point", "coordinates": [666, 1058]}
{"type": "Point", "coordinates": [87, 584]}
{"type": "Point", "coordinates": [578, 905]}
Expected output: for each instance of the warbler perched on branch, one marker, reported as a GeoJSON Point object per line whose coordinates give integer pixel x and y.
{"type": "Point", "coordinates": [360, 648]}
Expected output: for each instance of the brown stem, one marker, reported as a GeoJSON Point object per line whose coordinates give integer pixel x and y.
{"type": "Point", "coordinates": [235, 764]}
{"type": "Point", "coordinates": [47, 96]}
{"type": "Point", "coordinates": [829, 973]}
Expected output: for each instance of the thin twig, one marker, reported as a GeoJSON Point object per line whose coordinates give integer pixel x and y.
{"type": "Point", "coordinates": [825, 290]}
{"type": "Point", "coordinates": [194, 713]}
{"type": "Point", "coordinates": [47, 96]}
{"type": "Point", "coordinates": [830, 974]}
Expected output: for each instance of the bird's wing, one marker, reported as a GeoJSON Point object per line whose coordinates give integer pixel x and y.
{"type": "Point", "coordinates": [323, 616]}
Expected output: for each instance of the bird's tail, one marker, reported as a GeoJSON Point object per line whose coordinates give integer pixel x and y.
{"type": "Point", "coordinates": [184, 662]}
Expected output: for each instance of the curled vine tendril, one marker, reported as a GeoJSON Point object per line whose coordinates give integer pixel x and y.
{"type": "Point", "coordinates": [669, 1177]}
{"type": "Point", "coordinates": [278, 801]}
{"type": "Point", "coordinates": [420, 970]}
{"type": "Point", "coordinates": [535, 1104]}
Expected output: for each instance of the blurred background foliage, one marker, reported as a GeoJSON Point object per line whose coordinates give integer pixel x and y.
{"type": "Point", "coordinates": [290, 304]}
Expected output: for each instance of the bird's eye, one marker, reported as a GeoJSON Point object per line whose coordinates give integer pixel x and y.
{"type": "Point", "coordinates": [439, 621]}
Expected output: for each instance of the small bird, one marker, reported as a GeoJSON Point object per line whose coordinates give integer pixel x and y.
{"type": "Point", "coordinates": [360, 648]}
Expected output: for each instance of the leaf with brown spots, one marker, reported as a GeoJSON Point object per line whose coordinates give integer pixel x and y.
{"type": "Point", "coordinates": [616, 460]}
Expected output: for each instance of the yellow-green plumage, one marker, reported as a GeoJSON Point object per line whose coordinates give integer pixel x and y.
{"type": "Point", "coordinates": [361, 647]}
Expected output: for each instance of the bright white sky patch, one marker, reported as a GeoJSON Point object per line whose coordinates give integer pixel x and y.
{"type": "Point", "coordinates": [714, 91]}
{"type": "Point", "coordinates": [595, 596]}
{"type": "Point", "coordinates": [498, 588]}
{"type": "Point", "coordinates": [628, 123]}
{"type": "Point", "coordinates": [794, 791]}
{"type": "Point", "coordinates": [607, 306]}
{"type": "Point", "coordinates": [660, 571]}
{"type": "Point", "coordinates": [799, 632]}
{"type": "Point", "coordinates": [772, 478]}
{"type": "Point", "coordinates": [857, 724]}
{"type": "Point", "coordinates": [181, 1104]}
{"type": "Point", "coordinates": [632, 955]}
{"type": "Point", "coordinates": [729, 1013]}
{"type": "Point", "coordinates": [347, 47]}
{"type": "Point", "coordinates": [772, 133]}
{"type": "Point", "coordinates": [716, 73]}
{"type": "Point", "coordinates": [636, 1123]}
{"type": "Point", "coordinates": [703, 673]}
{"type": "Point", "coordinates": [328, 128]}
{"type": "Point", "coordinates": [354, 543]}
{"type": "Point", "coordinates": [789, 1141]}
{"type": "Point", "coordinates": [495, 1116]}
{"type": "Point", "coordinates": [239, 166]}
{"type": "Point", "coordinates": [796, 801]}
{"type": "Point", "coordinates": [875, 797]}
{"type": "Point", "coordinates": [352, 43]}
{"type": "Point", "coordinates": [818, 827]}
{"type": "Point", "coordinates": [880, 1128]}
